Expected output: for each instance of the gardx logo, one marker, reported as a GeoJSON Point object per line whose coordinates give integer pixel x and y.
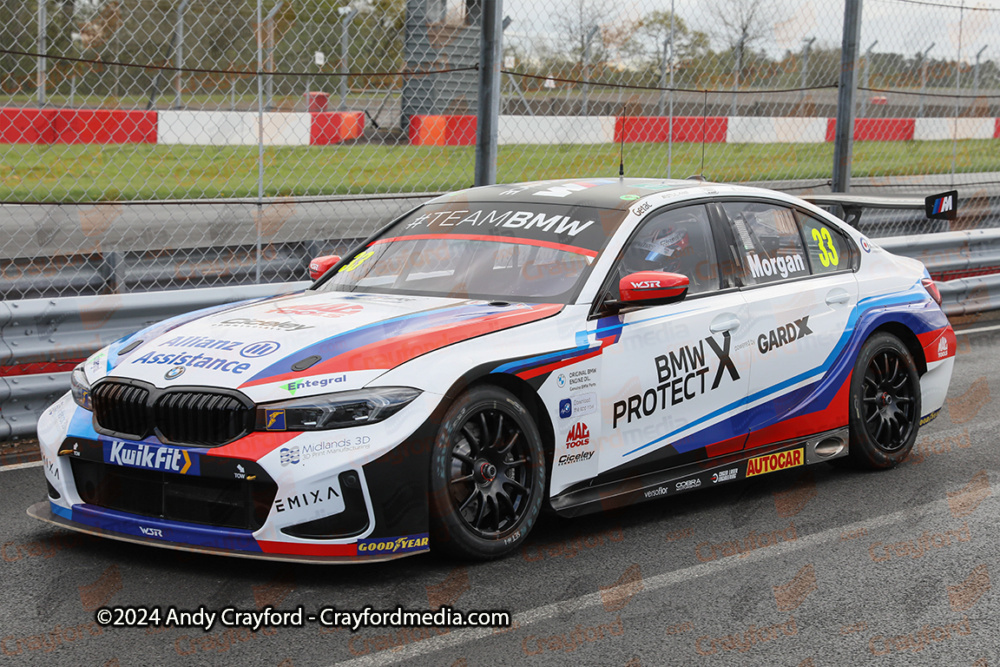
{"type": "Point", "coordinates": [787, 333]}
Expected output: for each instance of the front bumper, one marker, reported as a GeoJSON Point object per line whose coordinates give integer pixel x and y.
{"type": "Point", "coordinates": [274, 496]}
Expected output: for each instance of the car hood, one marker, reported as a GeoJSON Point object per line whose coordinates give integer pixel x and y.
{"type": "Point", "coordinates": [305, 343]}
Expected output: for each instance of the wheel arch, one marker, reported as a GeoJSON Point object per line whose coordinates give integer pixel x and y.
{"type": "Point", "coordinates": [528, 397]}
{"type": "Point", "coordinates": [908, 338]}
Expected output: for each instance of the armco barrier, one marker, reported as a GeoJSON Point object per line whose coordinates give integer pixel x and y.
{"type": "Point", "coordinates": [41, 339]}
{"type": "Point", "coordinates": [556, 130]}
{"type": "Point", "coordinates": [461, 130]}
{"type": "Point", "coordinates": [658, 129]}
{"type": "Point", "coordinates": [44, 331]}
{"type": "Point", "coordinates": [950, 256]}
{"type": "Point", "coordinates": [333, 127]}
{"type": "Point", "coordinates": [239, 128]}
{"type": "Point", "coordinates": [71, 126]}
{"type": "Point", "coordinates": [199, 128]}
{"type": "Point", "coordinates": [442, 130]}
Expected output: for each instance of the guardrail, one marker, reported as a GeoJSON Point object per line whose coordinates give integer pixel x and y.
{"type": "Point", "coordinates": [41, 339]}
{"type": "Point", "coordinates": [52, 335]}
{"type": "Point", "coordinates": [951, 255]}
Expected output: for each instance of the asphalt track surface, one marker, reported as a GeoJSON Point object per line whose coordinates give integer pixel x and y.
{"type": "Point", "coordinates": [839, 567]}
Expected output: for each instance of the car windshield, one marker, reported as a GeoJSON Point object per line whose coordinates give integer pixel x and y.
{"type": "Point", "coordinates": [499, 251]}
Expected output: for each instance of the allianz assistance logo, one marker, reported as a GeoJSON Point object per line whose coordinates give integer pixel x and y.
{"type": "Point", "coordinates": [579, 436]}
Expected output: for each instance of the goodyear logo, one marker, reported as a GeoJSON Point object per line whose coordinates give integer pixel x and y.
{"type": "Point", "coordinates": [927, 419]}
{"type": "Point", "coordinates": [393, 545]}
{"type": "Point", "coordinates": [152, 457]}
{"type": "Point", "coordinates": [274, 420]}
{"type": "Point", "coordinates": [774, 462]}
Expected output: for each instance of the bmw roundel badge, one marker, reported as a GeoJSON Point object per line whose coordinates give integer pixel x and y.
{"type": "Point", "coordinates": [173, 373]}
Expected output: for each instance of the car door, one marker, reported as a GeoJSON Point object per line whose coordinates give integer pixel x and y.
{"type": "Point", "coordinates": [799, 284]}
{"type": "Point", "coordinates": [674, 383]}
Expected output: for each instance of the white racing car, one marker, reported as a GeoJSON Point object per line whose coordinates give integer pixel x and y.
{"type": "Point", "coordinates": [577, 344]}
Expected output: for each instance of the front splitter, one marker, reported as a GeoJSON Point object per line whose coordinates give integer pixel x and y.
{"type": "Point", "coordinates": [43, 512]}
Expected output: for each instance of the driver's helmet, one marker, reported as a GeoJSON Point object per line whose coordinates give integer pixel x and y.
{"type": "Point", "coordinates": [659, 247]}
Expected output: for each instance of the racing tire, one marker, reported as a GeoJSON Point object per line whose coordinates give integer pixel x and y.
{"type": "Point", "coordinates": [488, 473]}
{"type": "Point", "coordinates": [885, 403]}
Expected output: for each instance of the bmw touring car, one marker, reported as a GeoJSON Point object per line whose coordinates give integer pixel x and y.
{"type": "Point", "coordinates": [576, 345]}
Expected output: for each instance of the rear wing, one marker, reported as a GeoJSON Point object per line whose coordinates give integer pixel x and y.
{"type": "Point", "coordinates": [936, 207]}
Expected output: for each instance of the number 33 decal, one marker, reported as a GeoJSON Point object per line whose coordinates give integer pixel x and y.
{"type": "Point", "coordinates": [827, 249]}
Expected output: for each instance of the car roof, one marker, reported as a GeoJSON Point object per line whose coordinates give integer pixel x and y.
{"type": "Point", "coordinates": [608, 193]}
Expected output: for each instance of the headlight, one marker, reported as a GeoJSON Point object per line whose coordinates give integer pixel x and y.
{"type": "Point", "coordinates": [80, 387]}
{"type": "Point", "coordinates": [340, 410]}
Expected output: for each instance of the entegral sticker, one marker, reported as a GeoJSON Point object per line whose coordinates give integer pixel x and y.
{"type": "Point", "coordinates": [774, 462]}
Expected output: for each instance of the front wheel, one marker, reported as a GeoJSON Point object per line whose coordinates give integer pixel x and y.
{"type": "Point", "coordinates": [885, 403]}
{"type": "Point", "coordinates": [488, 474]}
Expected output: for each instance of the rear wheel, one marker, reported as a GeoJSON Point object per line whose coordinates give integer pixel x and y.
{"type": "Point", "coordinates": [885, 403]}
{"type": "Point", "coordinates": [488, 474]}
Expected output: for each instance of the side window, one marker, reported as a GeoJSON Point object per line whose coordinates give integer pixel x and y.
{"type": "Point", "coordinates": [767, 237]}
{"type": "Point", "coordinates": [828, 252]}
{"type": "Point", "coordinates": [677, 241]}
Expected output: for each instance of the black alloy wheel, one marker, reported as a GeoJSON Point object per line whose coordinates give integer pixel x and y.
{"type": "Point", "coordinates": [888, 401]}
{"type": "Point", "coordinates": [487, 475]}
{"type": "Point", "coordinates": [885, 403]}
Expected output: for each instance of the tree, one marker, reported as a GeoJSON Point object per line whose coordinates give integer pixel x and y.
{"type": "Point", "coordinates": [653, 29]}
{"type": "Point", "coordinates": [741, 26]}
{"type": "Point", "coordinates": [575, 24]}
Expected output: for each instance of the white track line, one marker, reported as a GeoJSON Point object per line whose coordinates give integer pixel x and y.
{"type": "Point", "coordinates": [18, 466]}
{"type": "Point", "coordinates": [968, 331]}
{"type": "Point", "coordinates": [649, 585]}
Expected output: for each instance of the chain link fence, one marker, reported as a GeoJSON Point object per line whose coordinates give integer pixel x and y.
{"type": "Point", "coordinates": [154, 145]}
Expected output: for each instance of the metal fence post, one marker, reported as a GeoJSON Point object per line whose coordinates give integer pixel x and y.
{"type": "Point", "coordinates": [663, 77]}
{"type": "Point", "coordinates": [586, 66]}
{"type": "Point", "coordinates": [345, 26]}
{"type": "Point", "coordinates": [490, 45]}
{"type": "Point", "coordinates": [179, 54]}
{"type": "Point", "coordinates": [43, 23]}
{"type": "Point", "coordinates": [807, 45]}
{"type": "Point", "coordinates": [923, 78]}
{"type": "Point", "coordinates": [975, 75]}
{"type": "Point", "coordinates": [843, 143]}
{"type": "Point", "coordinates": [867, 72]}
{"type": "Point", "coordinates": [670, 122]}
{"type": "Point", "coordinates": [737, 69]}
{"type": "Point", "coordinates": [260, 128]}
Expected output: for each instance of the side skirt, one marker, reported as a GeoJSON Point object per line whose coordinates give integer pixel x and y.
{"type": "Point", "coordinates": [824, 446]}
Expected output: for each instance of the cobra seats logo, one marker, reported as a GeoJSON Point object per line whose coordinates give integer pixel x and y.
{"type": "Point", "coordinates": [579, 436]}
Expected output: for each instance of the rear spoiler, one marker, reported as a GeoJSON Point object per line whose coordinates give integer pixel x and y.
{"type": "Point", "coordinates": [936, 207]}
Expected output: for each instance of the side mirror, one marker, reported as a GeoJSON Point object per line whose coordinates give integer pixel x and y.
{"type": "Point", "coordinates": [652, 288]}
{"type": "Point", "coordinates": [321, 265]}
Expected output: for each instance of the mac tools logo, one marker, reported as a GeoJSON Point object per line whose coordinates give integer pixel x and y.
{"type": "Point", "coordinates": [579, 436]}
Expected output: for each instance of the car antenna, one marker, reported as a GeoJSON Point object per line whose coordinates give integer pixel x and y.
{"type": "Point", "coordinates": [621, 147]}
